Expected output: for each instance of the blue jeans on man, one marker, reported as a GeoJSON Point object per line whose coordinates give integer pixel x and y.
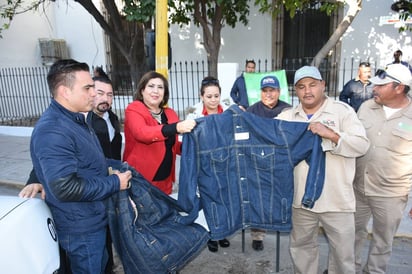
{"type": "Point", "coordinates": [87, 252]}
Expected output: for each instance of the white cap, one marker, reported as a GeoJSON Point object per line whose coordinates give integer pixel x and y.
{"type": "Point", "coordinates": [397, 73]}
{"type": "Point", "coordinates": [307, 71]}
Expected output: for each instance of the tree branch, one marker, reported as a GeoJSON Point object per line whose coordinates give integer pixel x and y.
{"type": "Point", "coordinates": [354, 7]}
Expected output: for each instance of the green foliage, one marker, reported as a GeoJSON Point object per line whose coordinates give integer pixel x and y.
{"type": "Point", "coordinates": [329, 8]}
{"type": "Point", "coordinates": [238, 11]}
{"type": "Point", "coordinates": [404, 16]}
{"type": "Point", "coordinates": [233, 11]}
{"type": "Point", "coordinates": [182, 12]}
{"type": "Point", "coordinates": [8, 11]}
{"type": "Point", "coordinates": [140, 11]}
{"type": "Point", "coordinates": [295, 6]}
{"type": "Point", "coordinates": [13, 7]}
{"type": "Point", "coordinates": [179, 12]}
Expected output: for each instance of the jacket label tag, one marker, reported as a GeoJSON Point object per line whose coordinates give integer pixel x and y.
{"type": "Point", "coordinates": [242, 136]}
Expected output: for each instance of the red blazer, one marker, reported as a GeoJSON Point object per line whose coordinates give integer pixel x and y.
{"type": "Point", "coordinates": [144, 142]}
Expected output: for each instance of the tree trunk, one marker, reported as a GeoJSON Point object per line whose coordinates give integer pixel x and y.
{"type": "Point", "coordinates": [127, 37]}
{"type": "Point", "coordinates": [212, 61]}
{"type": "Point", "coordinates": [354, 7]}
{"type": "Point", "coordinates": [211, 36]}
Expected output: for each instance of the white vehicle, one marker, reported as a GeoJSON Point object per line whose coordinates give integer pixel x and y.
{"type": "Point", "coordinates": [28, 239]}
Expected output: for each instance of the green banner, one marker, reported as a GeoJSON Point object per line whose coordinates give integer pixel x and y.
{"type": "Point", "coordinates": [252, 81]}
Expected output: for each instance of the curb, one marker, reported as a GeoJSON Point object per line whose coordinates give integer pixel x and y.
{"type": "Point", "coordinates": [14, 184]}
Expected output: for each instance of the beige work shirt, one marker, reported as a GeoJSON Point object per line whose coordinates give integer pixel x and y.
{"type": "Point", "coordinates": [337, 194]}
{"type": "Point", "coordinates": [386, 169]}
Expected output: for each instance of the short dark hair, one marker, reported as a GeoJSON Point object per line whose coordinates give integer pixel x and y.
{"type": "Point", "coordinates": [62, 73]}
{"type": "Point", "coordinates": [101, 76]}
{"type": "Point", "coordinates": [209, 81]}
{"type": "Point", "coordinates": [143, 82]}
{"type": "Point", "coordinates": [364, 64]}
{"type": "Point", "coordinates": [398, 52]}
{"type": "Point", "coordinates": [406, 88]}
{"type": "Point", "coordinates": [250, 61]}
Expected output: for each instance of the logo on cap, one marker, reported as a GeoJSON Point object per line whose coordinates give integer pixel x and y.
{"type": "Point", "coordinates": [269, 81]}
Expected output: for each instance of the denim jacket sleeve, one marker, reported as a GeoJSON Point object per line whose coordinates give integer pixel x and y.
{"type": "Point", "coordinates": [188, 200]}
{"type": "Point", "coordinates": [306, 146]}
{"type": "Point", "coordinates": [316, 174]}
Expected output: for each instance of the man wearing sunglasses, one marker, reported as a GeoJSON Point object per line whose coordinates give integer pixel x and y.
{"type": "Point", "coordinates": [383, 175]}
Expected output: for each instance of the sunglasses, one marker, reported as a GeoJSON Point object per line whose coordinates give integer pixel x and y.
{"type": "Point", "coordinates": [382, 75]}
{"type": "Point", "coordinates": [206, 82]}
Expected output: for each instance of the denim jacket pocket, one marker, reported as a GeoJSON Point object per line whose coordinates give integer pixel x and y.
{"type": "Point", "coordinates": [263, 157]}
{"type": "Point", "coordinates": [219, 159]}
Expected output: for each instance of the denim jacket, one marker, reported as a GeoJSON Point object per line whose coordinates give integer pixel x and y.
{"type": "Point", "coordinates": [241, 165]}
{"type": "Point", "coordinates": [146, 236]}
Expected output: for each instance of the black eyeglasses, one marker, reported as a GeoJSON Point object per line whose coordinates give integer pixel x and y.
{"type": "Point", "coordinates": [382, 74]}
{"type": "Point", "coordinates": [364, 64]}
{"type": "Point", "coordinates": [211, 81]}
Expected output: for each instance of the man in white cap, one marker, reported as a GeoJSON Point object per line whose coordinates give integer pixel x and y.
{"type": "Point", "coordinates": [343, 139]}
{"type": "Point", "coordinates": [383, 175]}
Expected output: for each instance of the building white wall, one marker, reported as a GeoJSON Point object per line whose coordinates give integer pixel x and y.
{"type": "Point", "coordinates": [366, 39]}
{"type": "Point", "coordinates": [84, 36]}
{"type": "Point", "coordinates": [59, 20]}
{"type": "Point", "coordinates": [19, 46]}
{"type": "Point", "coordinates": [243, 42]}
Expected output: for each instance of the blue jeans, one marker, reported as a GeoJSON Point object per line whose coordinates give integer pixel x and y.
{"type": "Point", "coordinates": [87, 252]}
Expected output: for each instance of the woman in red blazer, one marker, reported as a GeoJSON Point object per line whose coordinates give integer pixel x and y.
{"type": "Point", "coordinates": [151, 128]}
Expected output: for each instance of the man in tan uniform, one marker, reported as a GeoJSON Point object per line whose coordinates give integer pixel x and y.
{"type": "Point", "coordinates": [383, 176]}
{"type": "Point", "coordinates": [343, 139]}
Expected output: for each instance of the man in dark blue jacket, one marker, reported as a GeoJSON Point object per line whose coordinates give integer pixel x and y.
{"type": "Point", "coordinates": [106, 125]}
{"type": "Point", "coordinates": [69, 161]}
{"type": "Point", "coordinates": [238, 91]}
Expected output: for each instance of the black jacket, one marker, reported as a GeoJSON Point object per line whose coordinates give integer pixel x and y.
{"type": "Point", "coordinates": [111, 149]}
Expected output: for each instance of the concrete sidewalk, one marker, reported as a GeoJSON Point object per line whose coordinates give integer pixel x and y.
{"type": "Point", "coordinates": [15, 166]}
{"type": "Point", "coordinates": [15, 161]}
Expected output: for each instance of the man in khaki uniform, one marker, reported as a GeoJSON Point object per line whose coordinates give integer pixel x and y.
{"type": "Point", "coordinates": [383, 175]}
{"type": "Point", "coordinates": [343, 139]}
